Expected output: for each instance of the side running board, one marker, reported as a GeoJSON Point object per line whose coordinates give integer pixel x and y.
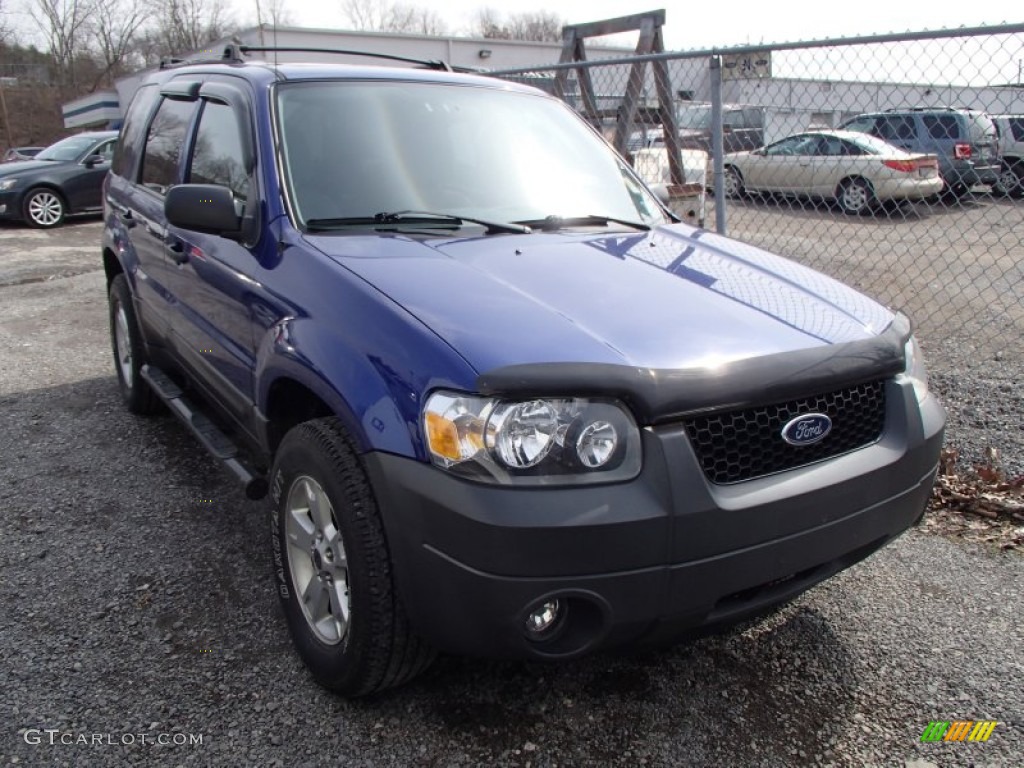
{"type": "Point", "coordinates": [218, 444]}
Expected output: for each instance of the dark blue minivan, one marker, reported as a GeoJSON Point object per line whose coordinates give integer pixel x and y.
{"type": "Point", "coordinates": [502, 401]}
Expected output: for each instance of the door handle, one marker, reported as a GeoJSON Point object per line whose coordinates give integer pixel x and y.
{"type": "Point", "coordinates": [177, 250]}
{"type": "Point", "coordinates": [124, 213]}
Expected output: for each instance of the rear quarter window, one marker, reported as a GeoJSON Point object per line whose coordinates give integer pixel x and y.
{"type": "Point", "coordinates": [164, 143]}
{"type": "Point", "coordinates": [942, 126]}
{"type": "Point", "coordinates": [133, 133]}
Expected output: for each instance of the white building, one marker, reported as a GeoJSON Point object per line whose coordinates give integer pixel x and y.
{"type": "Point", "coordinates": [106, 108]}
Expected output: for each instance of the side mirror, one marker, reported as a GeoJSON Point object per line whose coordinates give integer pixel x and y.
{"type": "Point", "coordinates": [93, 160]}
{"type": "Point", "coordinates": [661, 192]}
{"type": "Point", "coordinates": [208, 208]}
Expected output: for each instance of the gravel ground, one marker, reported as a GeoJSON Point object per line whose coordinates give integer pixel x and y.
{"type": "Point", "coordinates": [140, 606]}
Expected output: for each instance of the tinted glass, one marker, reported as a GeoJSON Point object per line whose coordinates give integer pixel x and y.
{"type": "Point", "coordinates": [130, 146]}
{"type": "Point", "coordinates": [896, 128]}
{"type": "Point", "coordinates": [1017, 126]}
{"type": "Point", "coordinates": [942, 126]}
{"type": "Point", "coordinates": [217, 157]}
{"type": "Point", "coordinates": [861, 125]}
{"type": "Point", "coordinates": [164, 142]}
{"type": "Point", "coordinates": [357, 149]}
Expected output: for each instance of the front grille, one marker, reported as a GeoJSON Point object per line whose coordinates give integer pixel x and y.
{"type": "Point", "coordinates": [741, 445]}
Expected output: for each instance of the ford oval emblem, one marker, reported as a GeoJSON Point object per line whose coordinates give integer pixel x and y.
{"type": "Point", "coordinates": [807, 429]}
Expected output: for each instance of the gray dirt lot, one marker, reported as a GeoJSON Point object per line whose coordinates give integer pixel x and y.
{"type": "Point", "coordinates": [138, 601]}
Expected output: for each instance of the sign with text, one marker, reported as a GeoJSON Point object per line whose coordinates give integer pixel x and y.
{"type": "Point", "coordinates": [742, 65]}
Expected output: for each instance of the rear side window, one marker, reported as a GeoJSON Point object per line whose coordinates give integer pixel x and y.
{"type": "Point", "coordinates": [942, 126]}
{"type": "Point", "coordinates": [1017, 128]}
{"type": "Point", "coordinates": [130, 146]}
{"type": "Point", "coordinates": [861, 125]}
{"type": "Point", "coordinates": [164, 142]}
{"type": "Point", "coordinates": [897, 128]}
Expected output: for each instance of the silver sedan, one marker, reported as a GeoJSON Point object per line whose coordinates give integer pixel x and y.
{"type": "Point", "coordinates": [856, 170]}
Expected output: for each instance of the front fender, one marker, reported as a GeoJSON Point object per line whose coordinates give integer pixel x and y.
{"type": "Point", "coordinates": [373, 378]}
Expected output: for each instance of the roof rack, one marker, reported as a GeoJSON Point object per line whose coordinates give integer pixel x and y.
{"type": "Point", "coordinates": [235, 53]}
{"type": "Point", "coordinates": [938, 108]}
{"type": "Point", "coordinates": [429, 63]}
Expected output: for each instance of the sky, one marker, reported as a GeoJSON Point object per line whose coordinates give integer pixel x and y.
{"type": "Point", "coordinates": [709, 23]}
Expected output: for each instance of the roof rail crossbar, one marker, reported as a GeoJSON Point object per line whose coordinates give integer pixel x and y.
{"type": "Point", "coordinates": [429, 63]}
{"type": "Point", "coordinates": [232, 52]}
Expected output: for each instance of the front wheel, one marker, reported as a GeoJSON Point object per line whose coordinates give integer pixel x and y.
{"type": "Point", "coordinates": [44, 208]}
{"type": "Point", "coordinates": [855, 196]}
{"type": "Point", "coordinates": [733, 183]}
{"type": "Point", "coordinates": [334, 571]}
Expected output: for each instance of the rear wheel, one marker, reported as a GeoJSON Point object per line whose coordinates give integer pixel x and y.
{"type": "Point", "coordinates": [1011, 180]}
{"type": "Point", "coordinates": [855, 196]}
{"type": "Point", "coordinates": [333, 567]}
{"type": "Point", "coordinates": [44, 208]}
{"type": "Point", "coordinates": [733, 184]}
{"type": "Point", "coordinates": [129, 351]}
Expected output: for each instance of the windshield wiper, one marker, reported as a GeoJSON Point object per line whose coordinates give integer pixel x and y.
{"type": "Point", "coordinates": [391, 218]}
{"type": "Point", "coordinates": [554, 222]}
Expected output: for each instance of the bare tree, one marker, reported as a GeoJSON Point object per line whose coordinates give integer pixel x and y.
{"type": "Point", "coordinates": [272, 12]}
{"type": "Point", "coordinates": [538, 26]}
{"type": "Point", "coordinates": [5, 27]}
{"type": "Point", "coordinates": [112, 30]}
{"type": "Point", "coordinates": [386, 16]}
{"type": "Point", "coordinates": [183, 26]}
{"type": "Point", "coordinates": [64, 24]}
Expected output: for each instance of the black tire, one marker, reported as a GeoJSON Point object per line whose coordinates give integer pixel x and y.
{"type": "Point", "coordinates": [375, 649]}
{"type": "Point", "coordinates": [44, 208]}
{"type": "Point", "coordinates": [855, 196]}
{"type": "Point", "coordinates": [129, 351]}
{"type": "Point", "coordinates": [732, 185]}
{"type": "Point", "coordinates": [1011, 180]}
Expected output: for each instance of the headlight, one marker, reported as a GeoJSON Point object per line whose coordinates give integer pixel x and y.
{"type": "Point", "coordinates": [7, 184]}
{"type": "Point", "coordinates": [915, 370]}
{"type": "Point", "coordinates": [542, 441]}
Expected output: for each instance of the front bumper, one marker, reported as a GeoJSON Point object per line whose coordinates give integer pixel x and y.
{"type": "Point", "coordinates": [10, 206]}
{"type": "Point", "coordinates": [658, 558]}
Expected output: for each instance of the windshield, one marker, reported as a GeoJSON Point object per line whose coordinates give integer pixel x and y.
{"type": "Point", "coordinates": [67, 149]}
{"type": "Point", "coordinates": [355, 149]}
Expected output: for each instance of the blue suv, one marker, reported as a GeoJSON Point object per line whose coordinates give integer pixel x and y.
{"type": "Point", "coordinates": [502, 402]}
{"type": "Point", "coordinates": [964, 140]}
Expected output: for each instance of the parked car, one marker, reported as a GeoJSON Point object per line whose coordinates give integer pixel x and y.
{"type": "Point", "coordinates": [21, 153]}
{"type": "Point", "coordinates": [502, 402]}
{"type": "Point", "coordinates": [854, 169]}
{"type": "Point", "coordinates": [65, 178]}
{"type": "Point", "coordinates": [742, 128]}
{"type": "Point", "coordinates": [964, 140]}
{"type": "Point", "coordinates": [1011, 151]}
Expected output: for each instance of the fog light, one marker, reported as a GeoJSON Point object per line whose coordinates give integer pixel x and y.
{"type": "Point", "coordinates": [544, 617]}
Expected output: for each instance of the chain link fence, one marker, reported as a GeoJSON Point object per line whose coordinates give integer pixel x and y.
{"type": "Point", "coordinates": [894, 163]}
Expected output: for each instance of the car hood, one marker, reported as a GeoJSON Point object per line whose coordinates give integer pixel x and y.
{"type": "Point", "coordinates": [23, 166]}
{"type": "Point", "coordinates": [672, 298]}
